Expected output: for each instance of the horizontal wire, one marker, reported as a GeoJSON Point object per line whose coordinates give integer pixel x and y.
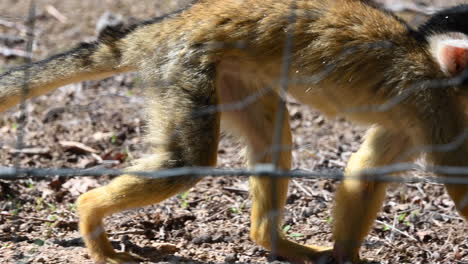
{"type": "Point", "coordinates": [375, 174]}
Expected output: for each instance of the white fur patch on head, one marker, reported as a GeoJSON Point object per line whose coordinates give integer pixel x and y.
{"type": "Point", "coordinates": [450, 50]}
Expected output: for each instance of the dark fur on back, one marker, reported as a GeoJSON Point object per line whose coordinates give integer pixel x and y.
{"type": "Point", "coordinates": [454, 19]}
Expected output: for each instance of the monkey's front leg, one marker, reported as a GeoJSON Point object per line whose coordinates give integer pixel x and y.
{"type": "Point", "coordinates": [269, 198]}
{"type": "Point", "coordinates": [255, 123]}
{"type": "Point", "coordinates": [267, 217]}
{"type": "Point", "coordinates": [358, 200]}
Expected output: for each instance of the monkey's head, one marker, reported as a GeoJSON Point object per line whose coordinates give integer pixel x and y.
{"type": "Point", "coordinates": [446, 32]}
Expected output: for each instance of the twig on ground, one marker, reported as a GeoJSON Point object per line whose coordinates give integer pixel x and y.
{"type": "Point", "coordinates": [130, 232]}
{"type": "Point", "coordinates": [77, 146]}
{"type": "Point", "coordinates": [29, 151]}
{"type": "Point", "coordinates": [397, 230]}
{"type": "Point", "coordinates": [234, 189]}
{"type": "Point", "coordinates": [51, 10]}
{"type": "Point", "coordinates": [302, 188]}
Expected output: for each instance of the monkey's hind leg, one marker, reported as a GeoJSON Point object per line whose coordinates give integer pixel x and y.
{"type": "Point", "coordinates": [358, 199]}
{"type": "Point", "coordinates": [124, 192]}
{"type": "Point", "coordinates": [180, 138]}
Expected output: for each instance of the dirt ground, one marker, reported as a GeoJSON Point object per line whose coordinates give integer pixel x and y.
{"type": "Point", "coordinates": [210, 222]}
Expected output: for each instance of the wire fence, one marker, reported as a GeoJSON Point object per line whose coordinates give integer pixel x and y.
{"type": "Point", "coordinates": [452, 174]}
{"type": "Point", "coordinates": [284, 81]}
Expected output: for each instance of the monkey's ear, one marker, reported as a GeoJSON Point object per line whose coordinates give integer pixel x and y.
{"type": "Point", "coordinates": [452, 56]}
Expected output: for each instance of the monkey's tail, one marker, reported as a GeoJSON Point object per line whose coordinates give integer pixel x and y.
{"type": "Point", "coordinates": [88, 61]}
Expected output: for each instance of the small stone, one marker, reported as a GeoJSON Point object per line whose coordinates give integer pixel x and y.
{"type": "Point", "coordinates": [202, 239]}
{"type": "Point", "coordinates": [24, 227]}
{"type": "Point", "coordinates": [231, 258]}
{"type": "Point", "coordinates": [166, 248]}
{"type": "Point", "coordinates": [308, 212]}
{"type": "Point", "coordinates": [5, 228]}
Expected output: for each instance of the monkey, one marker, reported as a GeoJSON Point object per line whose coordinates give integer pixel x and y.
{"type": "Point", "coordinates": [341, 55]}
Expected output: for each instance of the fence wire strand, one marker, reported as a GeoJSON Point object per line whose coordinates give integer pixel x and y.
{"type": "Point", "coordinates": [31, 21]}
{"type": "Point", "coordinates": [383, 173]}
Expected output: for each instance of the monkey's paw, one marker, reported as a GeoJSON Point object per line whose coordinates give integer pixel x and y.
{"type": "Point", "coordinates": [321, 255]}
{"type": "Point", "coordinates": [123, 258]}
